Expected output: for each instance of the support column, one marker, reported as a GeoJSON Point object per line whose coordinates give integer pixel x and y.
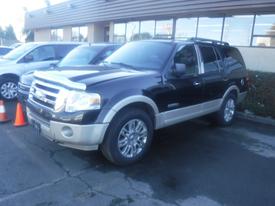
{"type": "Point", "coordinates": [111, 32]}
{"type": "Point", "coordinates": [67, 33]}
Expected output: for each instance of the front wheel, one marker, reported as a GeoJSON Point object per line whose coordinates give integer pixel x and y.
{"type": "Point", "coordinates": [128, 138]}
{"type": "Point", "coordinates": [226, 115]}
{"type": "Point", "coordinates": [8, 89]}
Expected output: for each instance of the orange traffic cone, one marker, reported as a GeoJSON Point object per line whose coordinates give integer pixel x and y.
{"type": "Point", "coordinates": [19, 117]}
{"type": "Point", "coordinates": [3, 114]}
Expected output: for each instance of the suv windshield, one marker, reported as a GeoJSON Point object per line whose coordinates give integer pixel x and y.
{"type": "Point", "coordinates": [141, 55]}
{"type": "Point", "coordinates": [80, 56]}
{"type": "Point", "coordinates": [19, 51]}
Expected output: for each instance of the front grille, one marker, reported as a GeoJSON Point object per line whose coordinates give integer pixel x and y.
{"type": "Point", "coordinates": [44, 94]}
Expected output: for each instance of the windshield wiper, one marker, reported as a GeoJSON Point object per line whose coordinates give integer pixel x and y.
{"type": "Point", "coordinates": [121, 64]}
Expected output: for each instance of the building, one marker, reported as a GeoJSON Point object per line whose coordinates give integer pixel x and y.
{"type": "Point", "coordinates": [248, 24]}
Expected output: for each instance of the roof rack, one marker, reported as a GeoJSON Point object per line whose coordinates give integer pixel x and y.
{"type": "Point", "coordinates": [209, 41]}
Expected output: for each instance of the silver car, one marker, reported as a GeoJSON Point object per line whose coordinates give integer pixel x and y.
{"type": "Point", "coordinates": [28, 57]}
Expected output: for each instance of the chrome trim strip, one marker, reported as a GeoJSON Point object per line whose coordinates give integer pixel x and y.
{"type": "Point", "coordinates": [45, 91]}
{"type": "Point", "coordinates": [47, 84]}
{"type": "Point", "coordinates": [59, 79]}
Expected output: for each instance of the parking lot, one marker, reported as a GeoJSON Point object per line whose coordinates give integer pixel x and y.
{"type": "Point", "coordinates": [192, 163]}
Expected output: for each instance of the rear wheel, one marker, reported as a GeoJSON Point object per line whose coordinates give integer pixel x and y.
{"type": "Point", "coordinates": [226, 115]}
{"type": "Point", "coordinates": [8, 89]}
{"type": "Point", "coordinates": [128, 138]}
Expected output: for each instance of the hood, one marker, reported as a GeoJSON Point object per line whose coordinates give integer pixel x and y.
{"type": "Point", "coordinates": [5, 62]}
{"type": "Point", "coordinates": [93, 75]}
{"type": "Point", "coordinates": [27, 78]}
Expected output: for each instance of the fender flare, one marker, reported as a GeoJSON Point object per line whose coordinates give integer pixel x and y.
{"type": "Point", "coordinates": [127, 101]}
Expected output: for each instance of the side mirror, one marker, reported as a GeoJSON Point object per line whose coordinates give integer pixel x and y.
{"type": "Point", "coordinates": [179, 69]}
{"type": "Point", "coordinates": [28, 58]}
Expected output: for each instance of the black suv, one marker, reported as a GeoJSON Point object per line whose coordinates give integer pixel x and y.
{"type": "Point", "coordinates": [143, 86]}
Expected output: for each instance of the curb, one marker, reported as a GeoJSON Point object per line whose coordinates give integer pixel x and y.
{"type": "Point", "coordinates": [255, 118]}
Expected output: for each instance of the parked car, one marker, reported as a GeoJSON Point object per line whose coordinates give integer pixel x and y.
{"type": "Point", "coordinates": [28, 57]}
{"type": "Point", "coordinates": [15, 45]}
{"type": "Point", "coordinates": [4, 50]}
{"type": "Point", "coordinates": [79, 57]}
{"type": "Point", "coordinates": [142, 87]}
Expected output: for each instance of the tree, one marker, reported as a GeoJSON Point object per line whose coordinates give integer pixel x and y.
{"type": "Point", "coordinates": [9, 34]}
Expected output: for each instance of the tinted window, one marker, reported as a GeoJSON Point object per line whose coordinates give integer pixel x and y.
{"type": "Point", "coordinates": [43, 53]}
{"type": "Point", "coordinates": [19, 51]}
{"type": "Point", "coordinates": [62, 50]}
{"type": "Point", "coordinates": [209, 59]}
{"type": "Point", "coordinates": [142, 55]}
{"type": "Point", "coordinates": [187, 55]}
{"type": "Point", "coordinates": [80, 56]}
{"type": "Point", "coordinates": [233, 58]}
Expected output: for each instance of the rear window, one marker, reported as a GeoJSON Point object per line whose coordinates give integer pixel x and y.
{"type": "Point", "coordinates": [233, 58]}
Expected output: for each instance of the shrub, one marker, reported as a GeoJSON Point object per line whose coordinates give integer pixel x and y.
{"type": "Point", "coordinates": [261, 95]}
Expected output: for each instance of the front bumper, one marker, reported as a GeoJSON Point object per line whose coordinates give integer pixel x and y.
{"type": "Point", "coordinates": [82, 137]}
{"type": "Point", "coordinates": [23, 93]}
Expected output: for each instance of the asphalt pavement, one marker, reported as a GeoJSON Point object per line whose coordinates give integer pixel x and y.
{"type": "Point", "coordinates": [190, 164]}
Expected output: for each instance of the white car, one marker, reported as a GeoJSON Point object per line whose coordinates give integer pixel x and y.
{"type": "Point", "coordinates": [29, 57]}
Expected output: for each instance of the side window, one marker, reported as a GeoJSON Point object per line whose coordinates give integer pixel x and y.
{"type": "Point", "coordinates": [43, 53]}
{"type": "Point", "coordinates": [209, 59]}
{"type": "Point", "coordinates": [62, 50]}
{"type": "Point", "coordinates": [188, 56]}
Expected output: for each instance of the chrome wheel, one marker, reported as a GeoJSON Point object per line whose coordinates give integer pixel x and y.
{"type": "Point", "coordinates": [229, 110]}
{"type": "Point", "coordinates": [132, 138]}
{"type": "Point", "coordinates": [9, 90]}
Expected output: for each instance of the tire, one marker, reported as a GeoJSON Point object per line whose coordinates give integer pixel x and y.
{"type": "Point", "coordinates": [138, 143]}
{"type": "Point", "coordinates": [8, 89]}
{"type": "Point", "coordinates": [226, 115]}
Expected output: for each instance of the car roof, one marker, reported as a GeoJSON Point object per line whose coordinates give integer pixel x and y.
{"type": "Point", "coordinates": [55, 43]}
{"type": "Point", "coordinates": [189, 41]}
{"type": "Point", "coordinates": [99, 44]}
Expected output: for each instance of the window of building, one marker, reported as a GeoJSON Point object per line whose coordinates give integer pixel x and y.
{"type": "Point", "coordinates": [238, 29]}
{"type": "Point", "coordinates": [120, 33]}
{"type": "Point", "coordinates": [80, 33]}
{"type": "Point", "coordinates": [57, 35]}
{"type": "Point", "coordinates": [186, 28]}
{"type": "Point", "coordinates": [147, 29]}
{"type": "Point", "coordinates": [209, 59]}
{"type": "Point", "coordinates": [164, 28]}
{"type": "Point", "coordinates": [210, 28]}
{"type": "Point", "coordinates": [264, 31]}
{"type": "Point", "coordinates": [132, 32]}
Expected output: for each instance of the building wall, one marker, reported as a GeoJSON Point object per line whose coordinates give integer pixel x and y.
{"type": "Point", "coordinates": [42, 35]}
{"type": "Point", "coordinates": [82, 11]}
{"type": "Point", "coordinates": [260, 59]}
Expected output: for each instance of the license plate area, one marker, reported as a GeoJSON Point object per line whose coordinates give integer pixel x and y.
{"type": "Point", "coordinates": [37, 126]}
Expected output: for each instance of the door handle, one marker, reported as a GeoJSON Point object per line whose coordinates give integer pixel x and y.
{"type": "Point", "coordinates": [196, 83]}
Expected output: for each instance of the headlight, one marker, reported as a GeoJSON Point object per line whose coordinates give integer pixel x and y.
{"type": "Point", "coordinates": [79, 101]}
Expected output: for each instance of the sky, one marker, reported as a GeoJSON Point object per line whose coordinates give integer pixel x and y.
{"type": "Point", "coordinates": [12, 12]}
